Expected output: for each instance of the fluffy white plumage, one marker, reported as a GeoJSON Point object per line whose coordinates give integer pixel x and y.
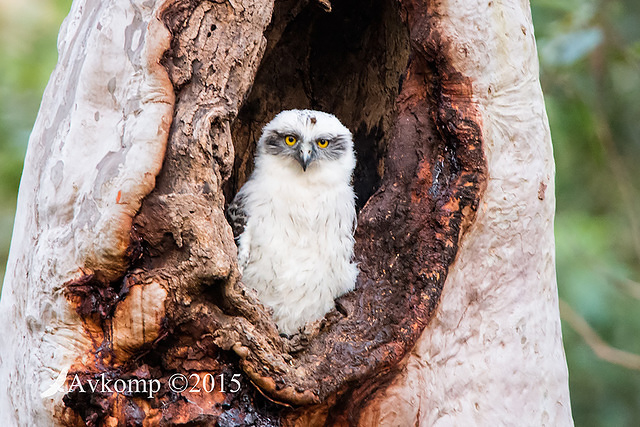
{"type": "Point", "coordinates": [298, 213]}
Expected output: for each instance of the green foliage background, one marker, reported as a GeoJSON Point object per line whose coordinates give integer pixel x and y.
{"type": "Point", "coordinates": [590, 68]}
{"type": "Point", "coordinates": [28, 33]}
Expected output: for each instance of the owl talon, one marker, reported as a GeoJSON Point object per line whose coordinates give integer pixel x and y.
{"type": "Point", "coordinates": [296, 342]}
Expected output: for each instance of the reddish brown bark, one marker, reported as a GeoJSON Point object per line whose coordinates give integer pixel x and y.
{"type": "Point", "coordinates": [383, 70]}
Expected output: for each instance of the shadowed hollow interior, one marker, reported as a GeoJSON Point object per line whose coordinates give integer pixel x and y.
{"type": "Point", "coordinates": [348, 62]}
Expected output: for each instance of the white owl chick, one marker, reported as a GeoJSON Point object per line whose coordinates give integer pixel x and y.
{"type": "Point", "coordinates": [294, 218]}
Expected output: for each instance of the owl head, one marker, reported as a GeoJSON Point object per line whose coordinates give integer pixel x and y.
{"type": "Point", "coordinates": [311, 138]}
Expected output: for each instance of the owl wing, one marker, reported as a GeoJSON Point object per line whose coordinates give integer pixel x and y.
{"type": "Point", "coordinates": [237, 215]}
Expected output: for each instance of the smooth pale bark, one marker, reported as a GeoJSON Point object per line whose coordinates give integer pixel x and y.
{"type": "Point", "coordinates": [492, 354]}
{"type": "Point", "coordinates": [95, 150]}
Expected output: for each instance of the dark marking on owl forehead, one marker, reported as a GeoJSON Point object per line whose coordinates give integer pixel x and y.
{"type": "Point", "coordinates": [309, 117]}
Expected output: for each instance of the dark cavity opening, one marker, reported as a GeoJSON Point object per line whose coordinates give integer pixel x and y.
{"type": "Point", "coordinates": [347, 62]}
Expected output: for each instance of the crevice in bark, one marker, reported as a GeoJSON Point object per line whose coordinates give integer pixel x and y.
{"type": "Point", "coordinates": [420, 175]}
{"type": "Point", "coordinates": [93, 295]}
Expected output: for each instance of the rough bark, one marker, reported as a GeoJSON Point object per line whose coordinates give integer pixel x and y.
{"type": "Point", "coordinates": [136, 265]}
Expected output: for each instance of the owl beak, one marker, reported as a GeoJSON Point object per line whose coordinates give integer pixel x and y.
{"type": "Point", "coordinates": [305, 156]}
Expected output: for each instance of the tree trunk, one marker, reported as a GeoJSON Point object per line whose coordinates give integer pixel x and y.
{"type": "Point", "coordinates": [123, 267]}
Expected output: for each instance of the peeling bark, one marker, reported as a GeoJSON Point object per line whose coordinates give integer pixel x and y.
{"type": "Point", "coordinates": [145, 283]}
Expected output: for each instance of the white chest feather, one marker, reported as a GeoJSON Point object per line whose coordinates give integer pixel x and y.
{"type": "Point", "coordinates": [297, 246]}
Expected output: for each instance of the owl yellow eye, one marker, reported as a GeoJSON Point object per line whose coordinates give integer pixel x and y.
{"type": "Point", "coordinates": [290, 140]}
{"type": "Point", "coordinates": [322, 143]}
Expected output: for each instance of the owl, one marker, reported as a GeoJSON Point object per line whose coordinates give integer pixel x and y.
{"type": "Point", "coordinates": [295, 217]}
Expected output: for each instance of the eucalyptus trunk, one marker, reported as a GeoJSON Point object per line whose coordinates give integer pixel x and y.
{"type": "Point", "coordinates": [123, 267]}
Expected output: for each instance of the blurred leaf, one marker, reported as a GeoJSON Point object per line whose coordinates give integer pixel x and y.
{"type": "Point", "coordinates": [634, 49]}
{"type": "Point", "coordinates": [565, 49]}
{"type": "Point", "coordinates": [559, 6]}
